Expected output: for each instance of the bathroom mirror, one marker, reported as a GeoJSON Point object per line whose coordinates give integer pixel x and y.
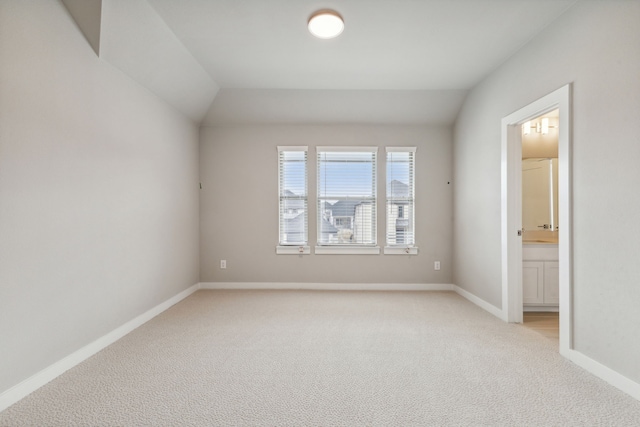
{"type": "Point", "coordinates": [540, 198]}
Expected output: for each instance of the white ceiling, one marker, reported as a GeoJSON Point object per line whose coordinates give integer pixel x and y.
{"type": "Point", "coordinates": [270, 69]}
{"type": "Point", "coordinates": [386, 44]}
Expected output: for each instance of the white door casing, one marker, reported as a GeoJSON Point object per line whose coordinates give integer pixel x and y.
{"type": "Point", "coordinates": [511, 210]}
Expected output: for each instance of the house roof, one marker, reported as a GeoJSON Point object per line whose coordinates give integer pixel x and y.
{"type": "Point", "coordinates": [326, 227]}
{"type": "Point", "coordinates": [397, 188]}
{"type": "Point", "coordinates": [343, 207]}
{"type": "Point", "coordinates": [293, 203]}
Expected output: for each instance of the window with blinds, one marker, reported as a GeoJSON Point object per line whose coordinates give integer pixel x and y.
{"type": "Point", "coordinates": [292, 188]}
{"type": "Point", "coordinates": [346, 196]}
{"type": "Point", "coordinates": [400, 196]}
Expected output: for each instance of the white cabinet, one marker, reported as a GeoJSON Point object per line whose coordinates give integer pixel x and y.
{"type": "Point", "coordinates": [551, 283]}
{"type": "Point", "coordinates": [540, 278]}
{"type": "Point", "coordinates": [532, 282]}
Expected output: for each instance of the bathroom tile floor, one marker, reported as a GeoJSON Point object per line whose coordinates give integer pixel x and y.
{"type": "Point", "coordinates": [544, 323]}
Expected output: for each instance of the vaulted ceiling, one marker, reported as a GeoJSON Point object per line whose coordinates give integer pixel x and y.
{"type": "Point", "coordinates": [253, 61]}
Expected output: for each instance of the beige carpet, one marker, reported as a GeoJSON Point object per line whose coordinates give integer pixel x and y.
{"type": "Point", "coordinates": [302, 358]}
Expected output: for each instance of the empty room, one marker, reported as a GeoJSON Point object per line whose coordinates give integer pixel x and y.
{"type": "Point", "coordinates": [298, 212]}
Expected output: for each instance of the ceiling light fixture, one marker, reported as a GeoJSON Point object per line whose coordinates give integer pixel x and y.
{"type": "Point", "coordinates": [326, 24]}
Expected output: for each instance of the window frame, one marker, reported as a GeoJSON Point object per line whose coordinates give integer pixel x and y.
{"type": "Point", "coordinates": [404, 248]}
{"type": "Point", "coordinates": [323, 248]}
{"type": "Point", "coordinates": [299, 248]}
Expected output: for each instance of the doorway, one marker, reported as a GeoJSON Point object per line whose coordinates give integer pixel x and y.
{"type": "Point", "coordinates": [511, 210]}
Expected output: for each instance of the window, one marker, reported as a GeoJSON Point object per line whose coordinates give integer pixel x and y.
{"type": "Point", "coordinates": [346, 187]}
{"type": "Point", "coordinates": [400, 200]}
{"type": "Point", "coordinates": [292, 190]}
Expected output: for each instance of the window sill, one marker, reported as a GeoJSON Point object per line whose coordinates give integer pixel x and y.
{"type": "Point", "coordinates": [347, 250]}
{"type": "Point", "coordinates": [293, 250]}
{"type": "Point", "coordinates": [399, 250]}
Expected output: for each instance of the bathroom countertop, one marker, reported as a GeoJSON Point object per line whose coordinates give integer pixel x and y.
{"type": "Point", "coordinates": [540, 237]}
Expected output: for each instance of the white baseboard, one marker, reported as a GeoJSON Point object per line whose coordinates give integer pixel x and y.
{"type": "Point", "coordinates": [595, 368]}
{"type": "Point", "coordinates": [19, 391]}
{"type": "Point", "coordinates": [329, 286]}
{"type": "Point", "coordinates": [480, 303]}
{"type": "Point", "coordinates": [31, 384]}
{"type": "Point", "coordinates": [614, 378]}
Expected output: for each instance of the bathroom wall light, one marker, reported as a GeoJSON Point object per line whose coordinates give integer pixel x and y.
{"type": "Point", "coordinates": [326, 24]}
{"type": "Point", "coordinates": [545, 125]}
{"type": "Point", "coordinates": [526, 128]}
{"type": "Point", "coordinates": [541, 127]}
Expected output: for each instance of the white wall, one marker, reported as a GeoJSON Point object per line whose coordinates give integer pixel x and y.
{"type": "Point", "coordinates": [239, 205]}
{"type": "Point", "coordinates": [596, 46]}
{"type": "Point", "coordinates": [98, 193]}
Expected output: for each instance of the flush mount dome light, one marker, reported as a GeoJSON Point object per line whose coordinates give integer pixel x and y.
{"type": "Point", "coordinates": [326, 24]}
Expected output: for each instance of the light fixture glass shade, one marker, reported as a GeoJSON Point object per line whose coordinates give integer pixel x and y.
{"type": "Point", "coordinates": [326, 24]}
{"type": "Point", "coordinates": [526, 128]}
{"type": "Point", "coordinates": [545, 125]}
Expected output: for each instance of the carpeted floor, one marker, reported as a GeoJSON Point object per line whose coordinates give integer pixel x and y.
{"type": "Point", "coordinates": [306, 358]}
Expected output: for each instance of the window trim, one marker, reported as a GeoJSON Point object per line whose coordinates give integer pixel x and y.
{"type": "Point", "coordinates": [297, 248]}
{"type": "Point", "coordinates": [293, 250]}
{"type": "Point", "coordinates": [403, 249]}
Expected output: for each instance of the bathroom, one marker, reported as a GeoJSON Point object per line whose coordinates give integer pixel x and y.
{"type": "Point", "coordinates": [540, 226]}
{"type": "Point", "coordinates": [540, 179]}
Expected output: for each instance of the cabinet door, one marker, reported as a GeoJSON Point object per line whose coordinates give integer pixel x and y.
{"type": "Point", "coordinates": [551, 282]}
{"type": "Point", "coordinates": [532, 282]}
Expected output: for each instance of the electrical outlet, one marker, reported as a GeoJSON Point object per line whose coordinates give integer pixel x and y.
{"type": "Point", "coordinates": [223, 263]}
{"type": "Point", "coordinates": [436, 265]}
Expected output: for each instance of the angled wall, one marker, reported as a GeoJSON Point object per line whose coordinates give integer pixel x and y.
{"type": "Point", "coordinates": [131, 36]}
{"type": "Point", "coordinates": [98, 193]}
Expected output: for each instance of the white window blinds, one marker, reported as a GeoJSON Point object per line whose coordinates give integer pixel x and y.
{"type": "Point", "coordinates": [346, 196]}
{"type": "Point", "coordinates": [292, 188]}
{"type": "Point", "coordinates": [400, 196]}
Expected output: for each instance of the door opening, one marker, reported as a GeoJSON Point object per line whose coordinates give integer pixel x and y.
{"type": "Point", "coordinates": [540, 275]}
{"type": "Point", "coordinates": [512, 220]}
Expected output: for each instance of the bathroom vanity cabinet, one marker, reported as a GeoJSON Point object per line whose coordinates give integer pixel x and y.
{"type": "Point", "coordinates": [540, 277]}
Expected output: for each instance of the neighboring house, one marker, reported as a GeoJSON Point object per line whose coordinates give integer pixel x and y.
{"type": "Point", "coordinates": [341, 216]}
{"type": "Point", "coordinates": [294, 222]}
{"type": "Point", "coordinates": [328, 232]}
{"type": "Point", "coordinates": [292, 207]}
{"type": "Point", "coordinates": [363, 227]}
{"type": "Point", "coordinates": [294, 229]}
{"type": "Point", "coordinates": [399, 215]}
{"type": "Point", "coordinates": [351, 218]}
{"type": "Point", "coordinates": [350, 221]}
{"type": "Point", "coordinates": [294, 218]}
